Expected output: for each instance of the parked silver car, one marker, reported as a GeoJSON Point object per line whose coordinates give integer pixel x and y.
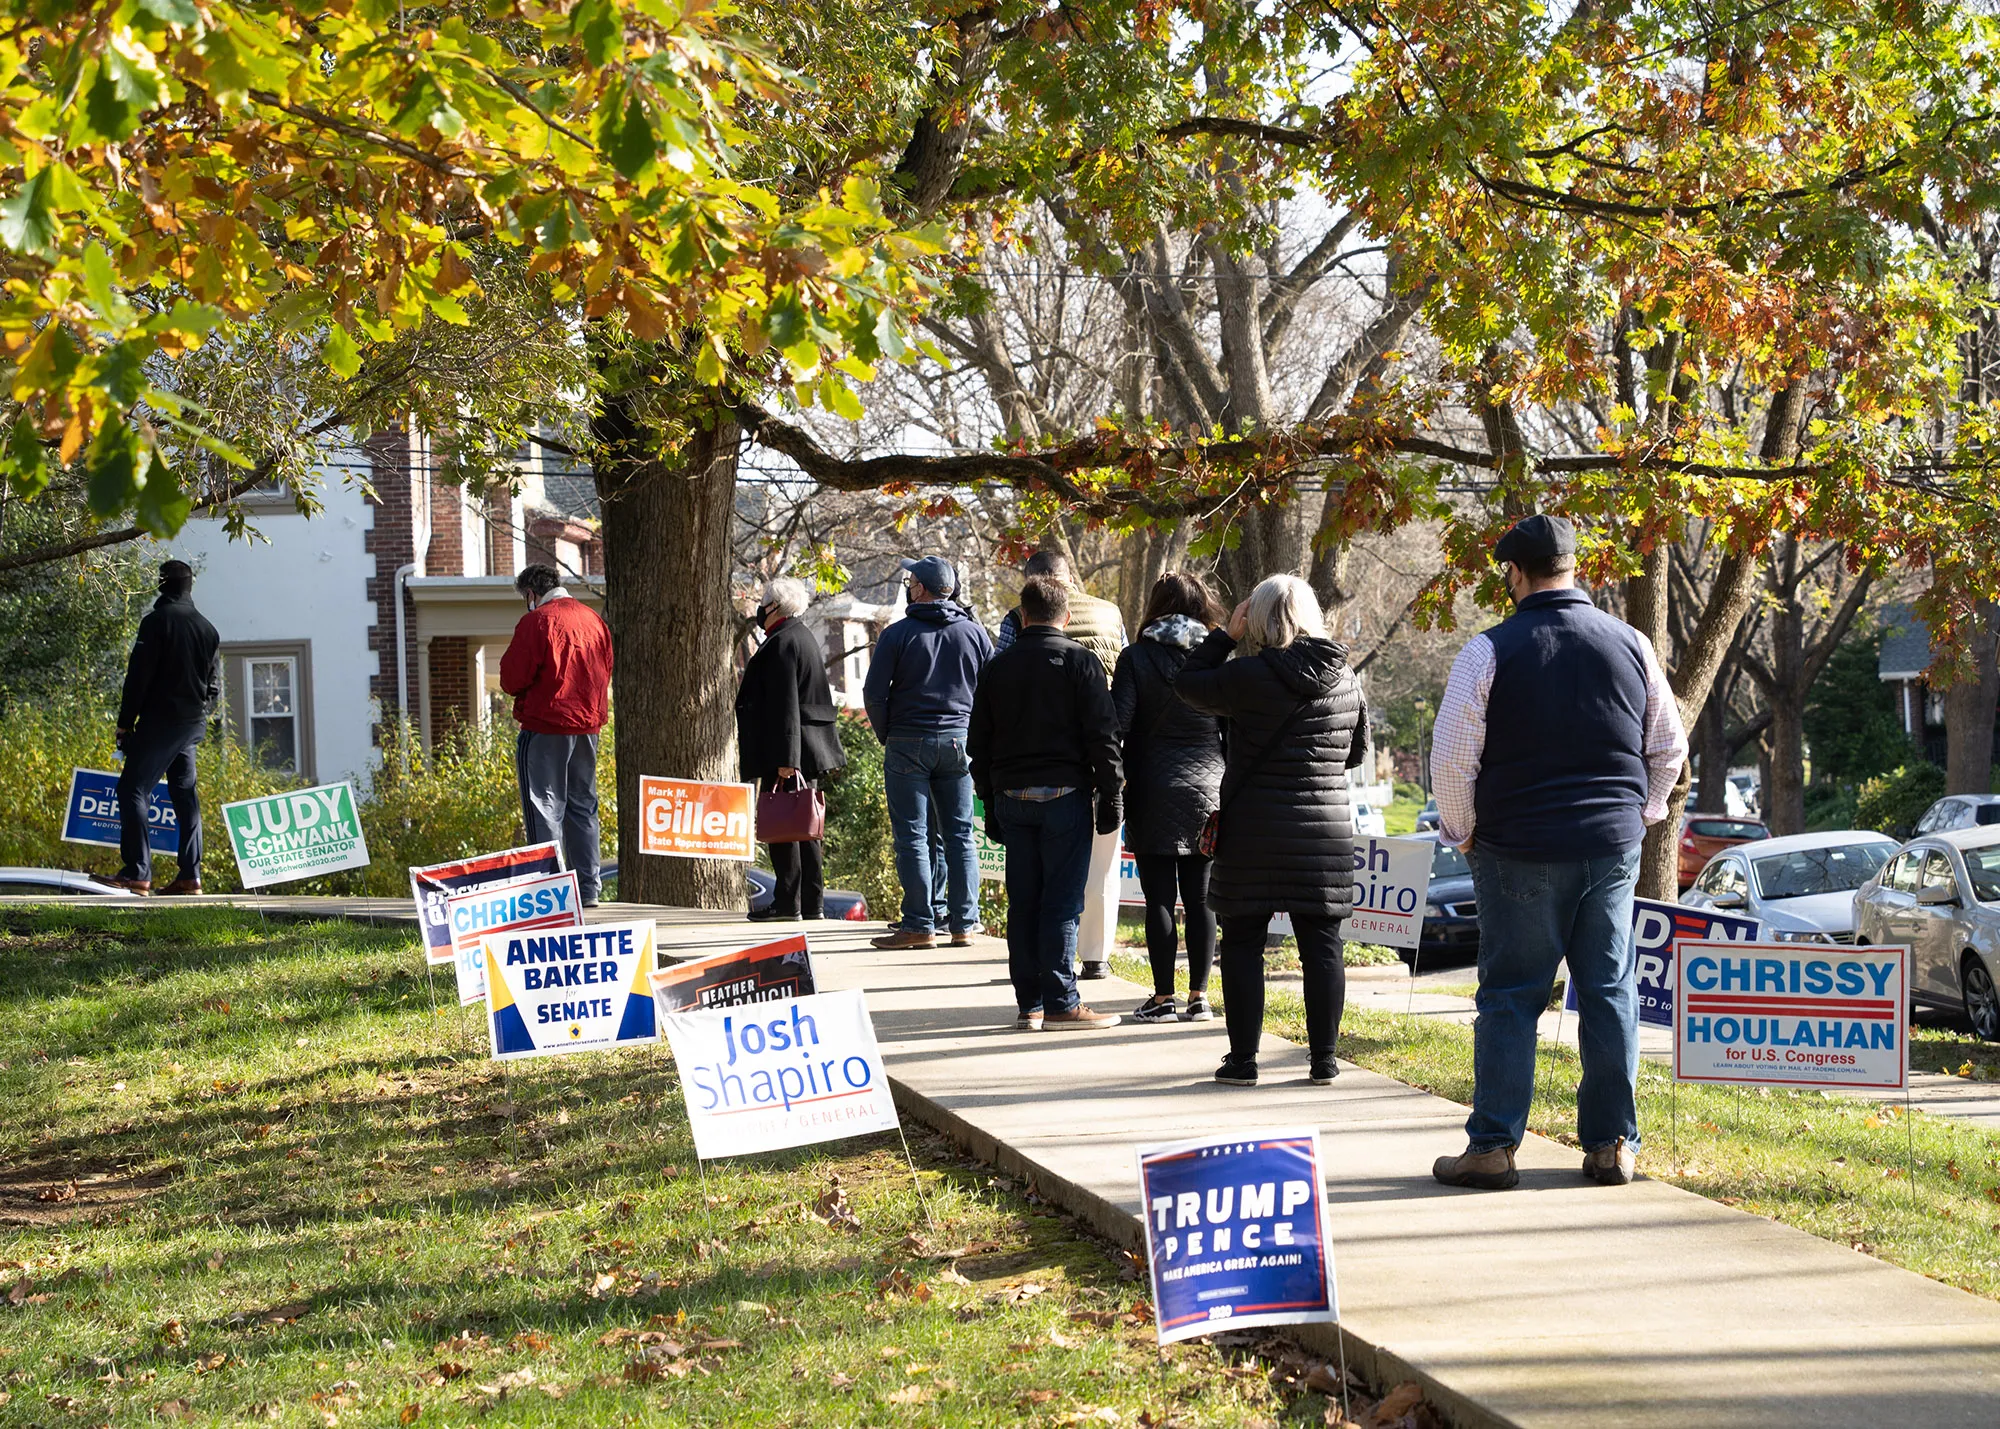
{"type": "Point", "coordinates": [1800, 887]}
{"type": "Point", "coordinates": [1940, 894]}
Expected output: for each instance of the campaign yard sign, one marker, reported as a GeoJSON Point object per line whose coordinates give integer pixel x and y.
{"type": "Point", "coordinates": [992, 856]}
{"type": "Point", "coordinates": [307, 832]}
{"type": "Point", "coordinates": [433, 884]}
{"type": "Point", "coordinates": [570, 989]}
{"type": "Point", "coordinates": [766, 973]}
{"type": "Point", "coordinates": [1392, 878]}
{"type": "Point", "coordinates": [1792, 1015]}
{"type": "Point", "coordinates": [1657, 928]}
{"type": "Point", "coordinates": [690, 818]}
{"type": "Point", "coordinates": [779, 1074]}
{"type": "Point", "coordinates": [550, 901]}
{"type": "Point", "coordinates": [93, 813]}
{"type": "Point", "coordinates": [1236, 1233]}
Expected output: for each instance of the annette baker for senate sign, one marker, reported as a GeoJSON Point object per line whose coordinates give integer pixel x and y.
{"type": "Point", "coordinates": [769, 1075]}
{"type": "Point", "coordinates": [570, 989]}
{"type": "Point", "coordinates": [1778, 1014]}
{"type": "Point", "coordinates": [1235, 1233]}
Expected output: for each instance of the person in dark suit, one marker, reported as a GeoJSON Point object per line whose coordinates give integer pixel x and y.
{"type": "Point", "coordinates": [171, 684]}
{"type": "Point", "coordinates": [784, 728]}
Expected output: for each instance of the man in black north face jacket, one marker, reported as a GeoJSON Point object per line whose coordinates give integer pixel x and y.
{"type": "Point", "coordinates": [171, 684]}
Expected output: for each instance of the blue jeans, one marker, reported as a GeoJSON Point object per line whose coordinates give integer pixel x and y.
{"type": "Point", "coordinates": [154, 751]}
{"type": "Point", "coordinates": [558, 778]}
{"type": "Point", "coordinates": [1532, 916]}
{"type": "Point", "coordinates": [927, 778]}
{"type": "Point", "coordinates": [1048, 867]}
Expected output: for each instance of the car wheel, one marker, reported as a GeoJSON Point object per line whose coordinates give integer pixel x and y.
{"type": "Point", "coordinates": [1982, 999]}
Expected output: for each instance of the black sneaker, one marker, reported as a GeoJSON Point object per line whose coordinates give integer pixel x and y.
{"type": "Point", "coordinates": [1233, 1073]}
{"type": "Point", "coordinates": [1324, 1069]}
{"type": "Point", "coordinates": [1157, 1009]}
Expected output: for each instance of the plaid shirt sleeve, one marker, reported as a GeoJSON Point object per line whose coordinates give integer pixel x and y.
{"type": "Point", "coordinates": [1458, 739]}
{"type": "Point", "coordinates": [1666, 738]}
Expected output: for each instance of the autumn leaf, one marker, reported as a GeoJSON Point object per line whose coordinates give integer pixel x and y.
{"type": "Point", "coordinates": [410, 1414]}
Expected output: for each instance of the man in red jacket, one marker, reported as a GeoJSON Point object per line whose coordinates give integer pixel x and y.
{"type": "Point", "coordinates": [558, 669]}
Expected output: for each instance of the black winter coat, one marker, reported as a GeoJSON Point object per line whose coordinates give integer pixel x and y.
{"type": "Point", "coordinates": [175, 673]}
{"type": "Point", "coordinates": [784, 709]}
{"type": "Point", "coordinates": [1173, 752]}
{"type": "Point", "coordinates": [1287, 843]}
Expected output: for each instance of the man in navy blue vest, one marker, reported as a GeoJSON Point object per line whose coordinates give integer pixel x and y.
{"type": "Point", "coordinates": [1557, 743]}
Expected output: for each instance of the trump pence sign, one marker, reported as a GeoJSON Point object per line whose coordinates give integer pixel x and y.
{"type": "Point", "coordinates": [570, 989]}
{"type": "Point", "coordinates": [302, 834]}
{"type": "Point", "coordinates": [761, 1077]}
{"type": "Point", "coordinates": [1236, 1233]}
{"type": "Point", "coordinates": [1792, 1015]}
{"type": "Point", "coordinates": [691, 818]}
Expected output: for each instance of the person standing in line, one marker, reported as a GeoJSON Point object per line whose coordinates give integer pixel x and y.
{"type": "Point", "coordinates": [1556, 745]}
{"type": "Point", "coordinates": [919, 700]}
{"type": "Point", "coordinates": [172, 681]}
{"type": "Point", "coordinates": [558, 669]}
{"type": "Point", "coordinates": [1044, 742]}
{"type": "Point", "coordinates": [1173, 769]}
{"type": "Point", "coordinates": [1097, 626]}
{"type": "Point", "coordinates": [1297, 724]}
{"type": "Point", "coordinates": [785, 729]}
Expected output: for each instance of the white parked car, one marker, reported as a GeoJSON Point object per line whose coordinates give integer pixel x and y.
{"type": "Point", "coordinates": [1370, 820]}
{"type": "Point", "coordinates": [1940, 895]}
{"type": "Point", "coordinates": [1800, 887]}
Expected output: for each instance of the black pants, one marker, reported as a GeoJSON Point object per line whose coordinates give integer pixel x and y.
{"type": "Point", "coordinates": [152, 751]}
{"type": "Point", "coordinates": [1167, 878]}
{"type": "Point", "coordinates": [1243, 980]}
{"type": "Point", "coordinates": [801, 879]}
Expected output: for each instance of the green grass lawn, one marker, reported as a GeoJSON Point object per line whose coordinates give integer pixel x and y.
{"type": "Point", "coordinates": [248, 1173]}
{"type": "Point", "coordinates": [1837, 1167]}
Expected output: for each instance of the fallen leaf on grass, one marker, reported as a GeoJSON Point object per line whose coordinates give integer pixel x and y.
{"type": "Point", "coordinates": [171, 1409]}
{"type": "Point", "coordinates": [1026, 1290]}
{"type": "Point", "coordinates": [283, 1314]}
{"type": "Point", "coordinates": [837, 1380]}
{"type": "Point", "coordinates": [1396, 1403]}
{"type": "Point", "coordinates": [1321, 1379]}
{"type": "Point", "coordinates": [445, 1370]}
{"type": "Point", "coordinates": [533, 1341]}
{"type": "Point", "coordinates": [1028, 1399]}
{"type": "Point", "coordinates": [911, 1394]}
{"type": "Point", "coordinates": [1092, 1414]}
{"type": "Point", "coordinates": [204, 1364]}
{"type": "Point", "coordinates": [410, 1414]}
{"type": "Point", "coordinates": [832, 1208]}
{"type": "Point", "coordinates": [1062, 1341]}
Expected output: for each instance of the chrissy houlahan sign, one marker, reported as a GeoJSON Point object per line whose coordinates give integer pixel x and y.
{"type": "Point", "coordinates": [302, 834]}
{"type": "Point", "coordinates": [1236, 1233]}
{"type": "Point", "coordinates": [570, 990]}
{"type": "Point", "coordinates": [1657, 928]}
{"type": "Point", "coordinates": [1792, 1015]}
{"type": "Point", "coordinates": [550, 901]}
{"type": "Point", "coordinates": [433, 884]}
{"type": "Point", "coordinates": [765, 1076]}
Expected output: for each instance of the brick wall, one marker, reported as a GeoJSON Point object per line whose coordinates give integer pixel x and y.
{"type": "Point", "coordinates": [500, 531]}
{"type": "Point", "coordinates": [392, 541]}
{"type": "Point", "coordinates": [450, 687]}
{"type": "Point", "coordinates": [446, 555]}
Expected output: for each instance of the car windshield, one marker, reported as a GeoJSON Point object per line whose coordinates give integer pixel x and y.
{"type": "Point", "coordinates": [1745, 829]}
{"type": "Point", "coordinates": [1448, 862]}
{"type": "Point", "coordinates": [1806, 871]}
{"type": "Point", "coordinates": [1983, 866]}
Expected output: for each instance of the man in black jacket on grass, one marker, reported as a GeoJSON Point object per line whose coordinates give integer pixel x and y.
{"type": "Point", "coordinates": [1043, 745]}
{"type": "Point", "coordinates": [171, 685]}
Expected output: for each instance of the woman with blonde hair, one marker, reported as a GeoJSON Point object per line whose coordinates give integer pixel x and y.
{"type": "Point", "coordinates": [1283, 832]}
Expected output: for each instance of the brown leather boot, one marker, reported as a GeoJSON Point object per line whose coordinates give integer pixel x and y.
{"type": "Point", "coordinates": [1481, 1170]}
{"type": "Point", "coordinates": [181, 888]}
{"type": "Point", "coordinates": [141, 886]}
{"type": "Point", "coordinates": [905, 938]}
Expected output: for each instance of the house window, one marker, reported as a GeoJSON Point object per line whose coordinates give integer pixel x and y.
{"type": "Point", "coordinates": [267, 700]}
{"type": "Point", "coordinates": [274, 712]}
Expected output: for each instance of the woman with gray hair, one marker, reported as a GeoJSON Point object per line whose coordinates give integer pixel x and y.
{"type": "Point", "coordinates": [1283, 832]}
{"type": "Point", "coordinates": [785, 730]}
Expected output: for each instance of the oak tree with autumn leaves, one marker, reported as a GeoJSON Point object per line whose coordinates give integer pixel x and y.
{"type": "Point", "coordinates": [1663, 267]}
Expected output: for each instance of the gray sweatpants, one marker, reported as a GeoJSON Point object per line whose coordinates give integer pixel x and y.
{"type": "Point", "coordinates": [558, 777]}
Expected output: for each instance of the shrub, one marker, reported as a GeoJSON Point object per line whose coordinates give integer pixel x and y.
{"type": "Point", "coordinates": [860, 852]}
{"type": "Point", "coordinates": [1893, 802]}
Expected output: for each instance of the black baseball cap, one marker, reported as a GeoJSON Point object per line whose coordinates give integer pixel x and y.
{"type": "Point", "coordinates": [1536, 538]}
{"type": "Point", "coordinates": [935, 572]}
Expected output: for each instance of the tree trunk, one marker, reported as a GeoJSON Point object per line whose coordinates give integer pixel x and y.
{"type": "Point", "coordinates": [1969, 711]}
{"type": "Point", "coordinates": [666, 567]}
{"type": "Point", "coordinates": [1711, 742]}
{"type": "Point", "coordinates": [1646, 596]}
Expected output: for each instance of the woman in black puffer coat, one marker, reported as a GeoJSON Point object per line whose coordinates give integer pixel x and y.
{"type": "Point", "coordinates": [1296, 726]}
{"type": "Point", "coordinates": [1173, 766]}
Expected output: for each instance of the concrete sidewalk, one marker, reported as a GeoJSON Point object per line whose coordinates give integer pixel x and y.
{"type": "Point", "coordinates": [1559, 1304]}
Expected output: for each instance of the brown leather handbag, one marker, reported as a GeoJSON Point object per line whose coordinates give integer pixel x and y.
{"type": "Point", "coordinates": [791, 812]}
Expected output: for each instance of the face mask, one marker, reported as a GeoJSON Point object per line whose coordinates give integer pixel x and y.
{"type": "Point", "coordinates": [762, 616]}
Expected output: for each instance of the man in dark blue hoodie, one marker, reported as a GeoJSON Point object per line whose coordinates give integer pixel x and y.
{"type": "Point", "coordinates": [919, 698]}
